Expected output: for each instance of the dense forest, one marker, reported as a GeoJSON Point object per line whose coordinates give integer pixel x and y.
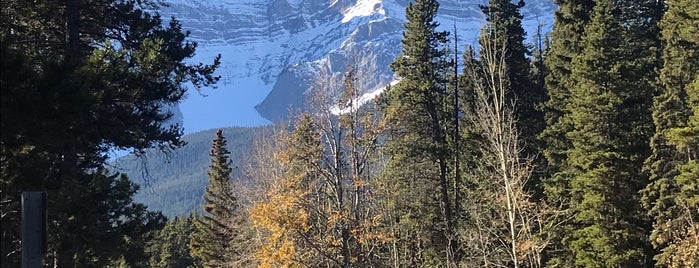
{"type": "Point", "coordinates": [578, 151]}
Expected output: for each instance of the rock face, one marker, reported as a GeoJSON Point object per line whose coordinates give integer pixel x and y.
{"type": "Point", "coordinates": [282, 44]}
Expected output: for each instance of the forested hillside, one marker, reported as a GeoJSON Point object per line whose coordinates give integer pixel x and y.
{"type": "Point", "coordinates": [173, 182]}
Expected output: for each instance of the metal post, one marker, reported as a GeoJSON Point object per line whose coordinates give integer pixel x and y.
{"type": "Point", "coordinates": [33, 228]}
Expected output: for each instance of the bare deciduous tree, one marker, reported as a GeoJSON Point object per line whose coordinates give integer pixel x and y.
{"type": "Point", "coordinates": [507, 226]}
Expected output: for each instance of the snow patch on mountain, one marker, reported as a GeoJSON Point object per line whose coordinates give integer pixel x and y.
{"type": "Point", "coordinates": [271, 49]}
{"type": "Point", "coordinates": [361, 100]}
{"type": "Point", "coordinates": [364, 8]}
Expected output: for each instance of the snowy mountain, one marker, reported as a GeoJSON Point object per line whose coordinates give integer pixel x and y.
{"type": "Point", "coordinates": [271, 49]}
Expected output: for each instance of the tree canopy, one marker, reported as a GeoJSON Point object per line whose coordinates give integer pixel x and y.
{"type": "Point", "coordinates": [80, 78]}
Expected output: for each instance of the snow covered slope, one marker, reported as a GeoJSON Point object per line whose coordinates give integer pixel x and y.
{"type": "Point", "coordinates": [271, 49]}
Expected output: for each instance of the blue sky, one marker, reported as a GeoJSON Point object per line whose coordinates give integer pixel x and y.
{"type": "Point", "coordinates": [225, 106]}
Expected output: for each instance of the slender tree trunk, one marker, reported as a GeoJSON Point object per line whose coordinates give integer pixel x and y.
{"type": "Point", "coordinates": [72, 14]}
{"type": "Point", "coordinates": [445, 202]}
{"type": "Point", "coordinates": [456, 138]}
{"type": "Point", "coordinates": [510, 208]}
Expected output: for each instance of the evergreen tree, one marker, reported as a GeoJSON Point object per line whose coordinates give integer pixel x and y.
{"type": "Point", "coordinates": [75, 84]}
{"type": "Point", "coordinates": [95, 222]}
{"type": "Point", "coordinates": [609, 112]}
{"type": "Point", "coordinates": [170, 247]}
{"type": "Point", "coordinates": [539, 71]}
{"type": "Point", "coordinates": [671, 195]}
{"type": "Point", "coordinates": [686, 243]}
{"type": "Point", "coordinates": [536, 144]}
{"type": "Point", "coordinates": [568, 30]}
{"type": "Point", "coordinates": [212, 241]}
{"type": "Point", "coordinates": [679, 235]}
{"type": "Point", "coordinates": [566, 43]}
{"type": "Point", "coordinates": [419, 115]}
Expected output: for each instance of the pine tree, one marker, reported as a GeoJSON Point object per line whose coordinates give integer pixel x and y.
{"type": "Point", "coordinates": [671, 195]}
{"type": "Point", "coordinates": [539, 71]}
{"type": "Point", "coordinates": [566, 43]}
{"type": "Point", "coordinates": [419, 114]}
{"type": "Point", "coordinates": [96, 221]}
{"type": "Point", "coordinates": [680, 234]}
{"type": "Point", "coordinates": [212, 242]}
{"type": "Point", "coordinates": [609, 112]}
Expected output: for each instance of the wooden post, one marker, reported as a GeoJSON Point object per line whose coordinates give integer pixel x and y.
{"type": "Point", "coordinates": [33, 229]}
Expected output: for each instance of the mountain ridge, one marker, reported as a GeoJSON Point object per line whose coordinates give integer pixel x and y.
{"type": "Point", "coordinates": [271, 49]}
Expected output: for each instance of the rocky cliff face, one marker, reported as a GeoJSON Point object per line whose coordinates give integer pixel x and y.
{"type": "Point", "coordinates": [278, 46]}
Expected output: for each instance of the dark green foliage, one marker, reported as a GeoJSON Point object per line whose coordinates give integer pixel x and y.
{"type": "Point", "coordinates": [121, 83]}
{"type": "Point", "coordinates": [419, 116]}
{"type": "Point", "coordinates": [93, 221]}
{"type": "Point", "coordinates": [568, 31]}
{"type": "Point", "coordinates": [538, 67]}
{"type": "Point", "coordinates": [212, 240]}
{"type": "Point", "coordinates": [671, 195]}
{"type": "Point", "coordinates": [170, 247]}
{"type": "Point", "coordinates": [82, 78]}
{"type": "Point", "coordinates": [78, 80]}
{"type": "Point", "coordinates": [535, 143]}
{"type": "Point", "coordinates": [175, 181]}
{"type": "Point", "coordinates": [609, 110]}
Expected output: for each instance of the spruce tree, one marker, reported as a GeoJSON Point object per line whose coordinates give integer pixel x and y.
{"type": "Point", "coordinates": [418, 114]}
{"type": "Point", "coordinates": [568, 30]}
{"type": "Point", "coordinates": [539, 71]}
{"type": "Point", "coordinates": [671, 195]}
{"type": "Point", "coordinates": [677, 236]}
{"type": "Point", "coordinates": [609, 112]}
{"type": "Point", "coordinates": [94, 221]}
{"type": "Point", "coordinates": [212, 242]}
